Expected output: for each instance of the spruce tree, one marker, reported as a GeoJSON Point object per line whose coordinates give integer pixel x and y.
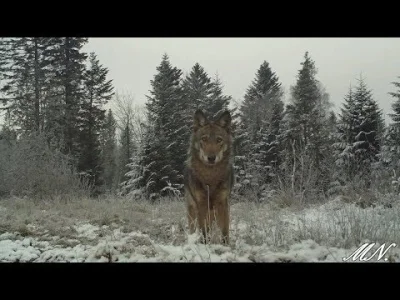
{"type": "Point", "coordinates": [258, 136]}
{"type": "Point", "coordinates": [394, 128]}
{"type": "Point", "coordinates": [260, 97]}
{"type": "Point", "coordinates": [197, 87]}
{"type": "Point", "coordinates": [390, 154]}
{"type": "Point", "coordinates": [368, 124]}
{"type": "Point", "coordinates": [162, 158]}
{"type": "Point", "coordinates": [306, 142]}
{"type": "Point", "coordinates": [203, 92]}
{"type": "Point", "coordinates": [67, 67]}
{"type": "Point", "coordinates": [98, 90]}
{"type": "Point", "coordinates": [218, 102]}
{"type": "Point", "coordinates": [126, 151]}
{"type": "Point", "coordinates": [305, 97]}
{"type": "Point", "coordinates": [360, 134]}
{"type": "Point", "coordinates": [24, 75]}
{"type": "Point", "coordinates": [344, 152]}
{"type": "Point", "coordinates": [395, 116]}
{"type": "Point", "coordinates": [127, 145]}
{"type": "Point", "coordinates": [109, 152]}
{"type": "Point", "coordinates": [273, 158]}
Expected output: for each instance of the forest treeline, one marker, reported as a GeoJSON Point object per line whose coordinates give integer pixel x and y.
{"type": "Point", "coordinates": [58, 136]}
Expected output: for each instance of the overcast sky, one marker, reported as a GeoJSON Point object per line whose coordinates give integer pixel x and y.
{"type": "Point", "coordinates": [132, 62]}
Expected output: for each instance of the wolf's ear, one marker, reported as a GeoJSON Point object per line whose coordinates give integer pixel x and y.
{"type": "Point", "coordinates": [199, 119]}
{"type": "Point", "coordinates": [224, 120]}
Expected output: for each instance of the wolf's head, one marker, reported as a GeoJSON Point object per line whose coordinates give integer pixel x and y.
{"type": "Point", "coordinates": [211, 139]}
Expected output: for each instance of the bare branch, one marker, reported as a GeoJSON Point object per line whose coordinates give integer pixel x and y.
{"type": "Point", "coordinates": [129, 114]}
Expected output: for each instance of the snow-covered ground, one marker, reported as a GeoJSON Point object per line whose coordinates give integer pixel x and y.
{"type": "Point", "coordinates": [95, 231]}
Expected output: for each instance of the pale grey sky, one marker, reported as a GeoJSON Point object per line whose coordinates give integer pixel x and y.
{"type": "Point", "coordinates": [132, 62]}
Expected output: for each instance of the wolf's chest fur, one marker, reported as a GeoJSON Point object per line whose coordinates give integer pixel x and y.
{"type": "Point", "coordinates": [214, 176]}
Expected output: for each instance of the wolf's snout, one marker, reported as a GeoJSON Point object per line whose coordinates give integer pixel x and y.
{"type": "Point", "coordinates": [211, 159]}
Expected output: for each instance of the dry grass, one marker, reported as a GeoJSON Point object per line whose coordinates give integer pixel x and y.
{"type": "Point", "coordinates": [59, 217]}
{"type": "Point", "coordinates": [336, 223]}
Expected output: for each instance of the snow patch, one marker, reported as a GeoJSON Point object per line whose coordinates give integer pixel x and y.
{"type": "Point", "coordinates": [87, 231]}
{"type": "Point", "coordinates": [256, 236]}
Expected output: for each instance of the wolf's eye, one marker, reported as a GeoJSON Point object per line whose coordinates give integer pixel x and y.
{"type": "Point", "coordinates": [219, 140]}
{"type": "Point", "coordinates": [204, 138]}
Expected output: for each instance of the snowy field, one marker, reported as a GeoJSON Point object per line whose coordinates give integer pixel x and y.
{"type": "Point", "coordinates": [117, 230]}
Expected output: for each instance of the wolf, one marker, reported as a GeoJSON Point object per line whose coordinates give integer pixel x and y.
{"type": "Point", "coordinates": [209, 175]}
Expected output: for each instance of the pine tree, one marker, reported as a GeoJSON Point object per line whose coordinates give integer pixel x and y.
{"type": "Point", "coordinates": [367, 128]}
{"type": "Point", "coordinates": [360, 133]}
{"type": "Point", "coordinates": [395, 116]}
{"type": "Point", "coordinates": [67, 67]}
{"type": "Point", "coordinates": [274, 147]}
{"type": "Point", "coordinates": [11, 49]}
{"type": "Point", "coordinates": [8, 135]}
{"type": "Point", "coordinates": [344, 151]}
{"type": "Point", "coordinates": [197, 87]}
{"type": "Point", "coordinates": [306, 142]}
{"type": "Point", "coordinates": [6, 52]}
{"type": "Point", "coordinates": [332, 127]}
{"type": "Point", "coordinates": [24, 74]}
{"type": "Point", "coordinates": [162, 158]}
{"type": "Point", "coordinates": [108, 153]}
{"type": "Point", "coordinates": [135, 184]}
{"type": "Point", "coordinates": [305, 96]}
{"type": "Point", "coordinates": [126, 145]}
{"type": "Point", "coordinates": [392, 140]}
{"type": "Point", "coordinates": [323, 140]}
{"type": "Point", "coordinates": [258, 136]}
{"type": "Point", "coordinates": [4, 58]}
{"type": "Point", "coordinates": [126, 151]}
{"type": "Point", "coordinates": [98, 90]}
{"type": "Point", "coordinates": [260, 97]}
{"type": "Point", "coordinates": [218, 102]}
{"type": "Point", "coordinates": [203, 92]}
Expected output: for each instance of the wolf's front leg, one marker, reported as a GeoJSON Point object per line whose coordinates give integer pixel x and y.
{"type": "Point", "coordinates": [223, 215]}
{"type": "Point", "coordinates": [223, 221]}
{"type": "Point", "coordinates": [204, 220]}
{"type": "Point", "coordinates": [192, 218]}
